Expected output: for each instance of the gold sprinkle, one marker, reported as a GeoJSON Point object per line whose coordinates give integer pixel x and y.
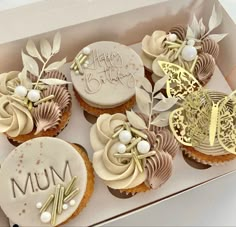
{"type": "Point", "coordinates": [71, 195]}
{"type": "Point", "coordinates": [133, 144]}
{"type": "Point", "coordinates": [134, 153]}
{"type": "Point", "coordinates": [26, 101]}
{"type": "Point", "coordinates": [125, 155]}
{"type": "Point", "coordinates": [138, 133]}
{"type": "Point", "coordinates": [117, 132]}
{"type": "Point", "coordinates": [81, 61]}
{"type": "Point", "coordinates": [47, 203]}
{"type": "Point", "coordinates": [55, 204]}
{"type": "Point", "coordinates": [194, 63]}
{"type": "Point", "coordinates": [180, 49]}
{"type": "Point", "coordinates": [44, 100]}
{"type": "Point", "coordinates": [60, 200]}
{"type": "Point", "coordinates": [149, 154]}
{"type": "Point", "coordinates": [30, 105]}
{"type": "Point", "coordinates": [70, 186]}
{"type": "Point", "coordinates": [127, 127]}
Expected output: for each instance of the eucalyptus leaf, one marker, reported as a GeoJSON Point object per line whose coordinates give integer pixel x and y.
{"type": "Point", "coordinates": [190, 33]}
{"type": "Point", "coordinates": [217, 37]}
{"type": "Point", "coordinates": [24, 80]}
{"type": "Point", "coordinates": [159, 96]}
{"type": "Point", "coordinates": [55, 65]}
{"type": "Point", "coordinates": [46, 49]}
{"type": "Point", "coordinates": [162, 120]}
{"type": "Point", "coordinates": [30, 64]}
{"type": "Point", "coordinates": [202, 27]}
{"type": "Point", "coordinates": [135, 120]}
{"type": "Point", "coordinates": [165, 104]}
{"type": "Point", "coordinates": [144, 82]}
{"type": "Point", "coordinates": [56, 43]}
{"type": "Point", "coordinates": [160, 83]}
{"type": "Point", "coordinates": [142, 95]}
{"type": "Point", "coordinates": [195, 27]}
{"type": "Point", "coordinates": [32, 50]}
{"type": "Point", "coordinates": [215, 19]}
{"type": "Point", "coordinates": [52, 81]}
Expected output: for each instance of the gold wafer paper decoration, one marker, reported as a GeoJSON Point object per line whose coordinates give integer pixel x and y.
{"type": "Point", "coordinates": [180, 82]}
{"type": "Point", "coordinates": [206, 115]}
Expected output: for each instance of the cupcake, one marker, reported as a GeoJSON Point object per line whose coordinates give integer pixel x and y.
{"type": "Point", "coordinates": [103, 75]}
{"type": "Point", "coordinates": [39, 190]}
{"type": "Point", "coordinates": [35, 102]}
{"type": "Point", "coordinates": [192, 47]}
{"type": "Point", "coordinates": [205, 125]}
{"type": "Point", "coordinates": [134, 152]}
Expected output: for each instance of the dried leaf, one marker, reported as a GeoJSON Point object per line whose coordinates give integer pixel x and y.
{"type": "Point", "coordinates": [162, 120]}
{"type": "Point", "coordinates": [32, 50]}
{"type": "Point", "coordinates": [215, 19]}
{"type": "Point", "coordinates": [30, 64]}
{"type": "Point", "coordinates": [160, 84]}
{"type": "Point", "coordinates": [202, 27]}
{"type": "Point", "coordinates": [56, 43]}
{"type": "Point", "coordinates": [195, 27]}
{"type": "Point", "coordinates": [55, 65]}
{"type": "Point", "coordinates": [135, 120]}
{"type": "Point", "coordinates": [190, 33]}
{"type": "Point", "coordinates": [165, 104]}
{"type": "Point", "coordinates": [52, 81]}
{"type": "Point", "coordinates": [46, 49]}
{"type": "Point", "coordinates": [217, 37]}
{"type": "Point", "coordinates": [24, 80]}
{"type": "Point", "coordinates": [159, 96]}
{"type": "Point", "coordinates": [143, 99]}
{"type": "Point", "coordinates": [144, 82]}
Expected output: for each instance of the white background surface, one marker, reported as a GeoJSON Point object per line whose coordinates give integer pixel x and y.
{"type": "Point", "coordinates": [213, 204]}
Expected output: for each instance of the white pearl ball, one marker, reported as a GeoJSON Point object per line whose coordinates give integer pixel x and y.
{"type": "Point", "coordinates": [72, 202]}
{"type": "Point", "coordinates": [86, 62]}
{"type": "Point", "coordinates": [85, 65]}
{"type": "Point", "coordinates": [189, 53]}
{"type": "Point", "coordinates": [45, 217]}
{"type": "Point", "coordinates": [21, 91]}
{"type": "Point", "coordinates": [39, 205]}
{"type": "Point", "coordinates": [86, 51]}
{"type": "Point", "coordinates": [121, 148]}
{"type": "Point", "coordinates": [172, 37]}
{"type": "Point", "coordinates": [65, 207]}
{"type": "Point", "coordinates": [34, 95]}
{"type": "Point", "coordinates": [191, 42]}
{"type": "Point", "coordinates": [125, 136]}
{"type": "Point", "coordinates": [143, 147]}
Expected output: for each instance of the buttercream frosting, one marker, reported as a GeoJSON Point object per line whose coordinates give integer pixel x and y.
{"type": "Point", "coordinates": [8, 79]}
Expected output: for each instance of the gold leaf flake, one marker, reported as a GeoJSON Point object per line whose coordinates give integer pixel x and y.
{"type": "Point", "coordinates": [160, 83]}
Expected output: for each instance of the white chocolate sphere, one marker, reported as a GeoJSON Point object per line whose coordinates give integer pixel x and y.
{"type": "Point", "coordinates": [21, 91]}
{"type": "Point", "coordinates": [121, 148]}
{"type": "Point", "coordinates": [39, 205]}
{"type": "Point", "coordinates": [191, 42]}
{"type": "Point", "coordinates": [86, 51]}
{"type": "Point", "coordinates": [172, 37]}
{"type": "Point", "coordinates": [45, 217]}
{"type": "Point", "coordinates": [143, 147]}
{"type": "Point", "coordinates": [189, 53]}
{"type": "Point", "coordinates": [34, 95]}
{"type": "Point", "coordinates": [72, 202]}
{"type": "Point", "coordinates": [125, 136]}
{"type": "Point", "coordinates": [65, 207]}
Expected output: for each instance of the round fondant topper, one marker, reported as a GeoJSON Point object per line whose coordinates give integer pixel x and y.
{"type": "Point", "coordinates": [38, 189]}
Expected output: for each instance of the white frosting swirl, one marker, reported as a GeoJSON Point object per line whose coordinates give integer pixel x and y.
{"type": "Point", "coordinates": [8, 79]}
{"type": "Point", "coordinates": [15, 119]}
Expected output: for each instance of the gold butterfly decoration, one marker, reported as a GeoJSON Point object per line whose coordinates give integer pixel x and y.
{"type": "Point", "coordinates": [180, 82]}
{"type": "Point", "coordinates": [205, 115]}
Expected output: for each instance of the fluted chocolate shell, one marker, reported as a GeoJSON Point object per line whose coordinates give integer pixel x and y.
{"type": "Point", "coordinates": [55, 75]}
{"type": "Point", "coordinates": [46, 116]}
{"type": "Point", "coordinates": [180, 31]}
{"type": "Point", "coordinates": [61, 96]}
{"type": "Point", "coordinates": [211, 47]}
{"type": "Point", "coordinates": [204, 68]}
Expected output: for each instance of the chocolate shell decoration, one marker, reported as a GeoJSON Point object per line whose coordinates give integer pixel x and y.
{"type": "Point", "coordinates": [204, 68]}
{"type": "Point", "coordinates": [61, 96]}
{"type": "Point", "coordinates": [211, 47]}
{"type": "Point", "coordinates": [55, 75]}
{"type": "Point", "coordinates": [46, 116]}
{"type": "Point", "coordinates": [180, 31]}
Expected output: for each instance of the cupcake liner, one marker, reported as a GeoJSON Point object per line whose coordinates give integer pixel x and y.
{"type": "Point", "coordinates": [208, 159]}
{"type": "Point", "coordinates": [98, 111]}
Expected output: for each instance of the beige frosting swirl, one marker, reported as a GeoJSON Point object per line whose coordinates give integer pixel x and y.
{"type": "Point", "coordinates": [8, 80]}
{"type": "Point", "coordinates": [211, 47]}
{"type": "Point", "coordinates": [180, 31]}
{"type": "Point", "coordinates": [204, 68]}
{"type": "Point", "coordinates": [153, 45]}
{"type": "Point", "coordinates": [15, 119]}
{"type": "Point", "coordinates": [159, 169]}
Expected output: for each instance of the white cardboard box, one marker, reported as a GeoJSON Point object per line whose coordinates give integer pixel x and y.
{"type": "Point", "coordinates": [83, 22]}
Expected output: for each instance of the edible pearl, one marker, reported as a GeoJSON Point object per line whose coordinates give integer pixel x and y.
{"type": "Point", "coordinates": [86, 51]}
{"type": "Point", "coordinates": [45, 217]}
{"type": "Point", "coordinates": [172, 37]}
{"type": "Point", "coordinates": [86, 62]}
{"type": "Point", "coordinates": [33, 95]}
{"type": "Point", "coordinates": [85, 65]}
{"type": "Point", "coordinates": [121, 148]}
{"type": "Point", "coordinates": [72, 202]}
{"type": "Point", "coordinates": [65, 207]}
{"type": "Point", "coordinates": [143, 147]}
{"type": "Point", "coordinates": [189, 53]}
{"type": "Point", "coordinates": [21, 91]}
{"type": "Point", "coordinates": [125, 137]}
{"type": "Point", "coordinates": [39, 205]}
{"type": "Point", "coordinates": [191, 42]}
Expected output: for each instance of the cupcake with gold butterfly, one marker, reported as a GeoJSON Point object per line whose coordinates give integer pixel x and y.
{"type": "Point", "coordinates": [35, 102]}
{"type": "Point", "coordinates": [134, 151]}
